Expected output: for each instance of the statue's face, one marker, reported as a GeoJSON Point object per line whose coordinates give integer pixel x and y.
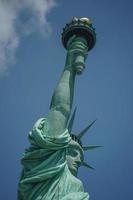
{"type": "Point", "coordinates": [74, 157]}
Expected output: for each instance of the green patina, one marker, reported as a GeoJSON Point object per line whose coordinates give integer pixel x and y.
{"type": "Point", "coordinates": [51, 163]}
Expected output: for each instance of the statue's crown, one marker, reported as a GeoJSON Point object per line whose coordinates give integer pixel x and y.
{"type": "Point", "coordinates": [78, 137]}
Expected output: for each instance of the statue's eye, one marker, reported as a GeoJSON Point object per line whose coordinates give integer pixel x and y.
{"type": "Point", "coordinates": [73, 153]}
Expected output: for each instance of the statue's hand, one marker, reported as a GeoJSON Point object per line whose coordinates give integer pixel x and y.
{"type": "Point", "coordinates": [77, 53]}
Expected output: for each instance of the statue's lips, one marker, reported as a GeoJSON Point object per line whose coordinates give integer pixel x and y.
{"type": "Point", "coordinates": [75, 165]}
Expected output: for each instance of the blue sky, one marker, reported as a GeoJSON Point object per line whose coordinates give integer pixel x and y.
{"type": "Point", "coordinates": [104, 91]}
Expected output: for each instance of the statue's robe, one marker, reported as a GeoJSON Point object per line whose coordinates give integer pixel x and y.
{"type": "Point", "coordinates": [45, 174]}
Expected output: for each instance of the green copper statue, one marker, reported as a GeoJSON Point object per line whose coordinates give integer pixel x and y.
{"type": "Point", "coordinates": [51, 163]}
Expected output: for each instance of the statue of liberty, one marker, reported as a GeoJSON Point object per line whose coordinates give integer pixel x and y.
{"type": "Point", "coordinates": [50, 164]}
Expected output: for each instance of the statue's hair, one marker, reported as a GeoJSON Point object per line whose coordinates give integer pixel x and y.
{"type": "Point", "coordinates": [76, 139]}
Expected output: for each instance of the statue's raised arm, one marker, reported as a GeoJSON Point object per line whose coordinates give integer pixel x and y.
{"type": "Point", "coordinates": [77, 44]}
{"type": "Point", "coordinates": [62, 98]}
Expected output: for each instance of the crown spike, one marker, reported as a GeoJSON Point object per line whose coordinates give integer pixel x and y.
{"type": "Point", "coordinates": [87, 166]}
{"type": "Point", "coordinates": [82, 133]}
{"type": "Point", "coordinates": [90, 147]}
{"type": "Point", "coordinates": [70, 125]}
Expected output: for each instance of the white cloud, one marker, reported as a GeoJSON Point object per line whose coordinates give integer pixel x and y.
{"type": "Point", "coordinates": [10, 23]}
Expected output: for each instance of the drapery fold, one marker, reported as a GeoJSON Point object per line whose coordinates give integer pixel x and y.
{"type": "Point", "coordinates": [45, 174]}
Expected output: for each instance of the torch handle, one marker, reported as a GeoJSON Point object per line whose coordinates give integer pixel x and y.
{"type": "Point", "coordinates": [79, 63]}
{"type": "Point", "coordinates": [81, 52]}
{"type": "Point", "coordinates": [78, 48]}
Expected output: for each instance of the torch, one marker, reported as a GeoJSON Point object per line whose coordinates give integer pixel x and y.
{"type": "Point", "coordinates": [79, 37]}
